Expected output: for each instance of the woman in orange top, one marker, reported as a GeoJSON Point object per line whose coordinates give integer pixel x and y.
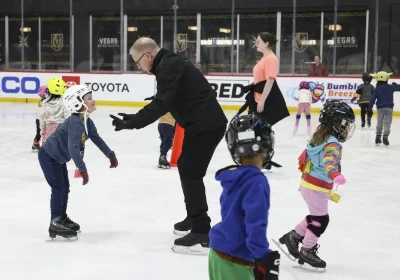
{"type": "Point", "coordinates": [266, 69]}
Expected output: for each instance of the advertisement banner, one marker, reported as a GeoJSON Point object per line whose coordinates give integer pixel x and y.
{"type": "Point", "coordinates": [136, 87]}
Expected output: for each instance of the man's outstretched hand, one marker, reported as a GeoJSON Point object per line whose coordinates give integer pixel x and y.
{"type": "Point", "coordinates": [126, 117]}
{"type": "Point", "coordinates": [125, 123]}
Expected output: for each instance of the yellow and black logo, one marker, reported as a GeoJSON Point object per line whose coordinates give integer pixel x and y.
{"type": "Point", "coordinates": [57, 41]}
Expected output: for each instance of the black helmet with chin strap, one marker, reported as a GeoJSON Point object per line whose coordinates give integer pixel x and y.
{"type": "Point", "coordinates": [249, 135]}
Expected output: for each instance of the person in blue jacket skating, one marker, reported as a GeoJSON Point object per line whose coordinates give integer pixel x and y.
{"type": "Point", "coordinates": [62, 145]}
{"type": "Point", "coordinates": [383, 96]}
{"type": "Point", "coordinates": [239, 249]}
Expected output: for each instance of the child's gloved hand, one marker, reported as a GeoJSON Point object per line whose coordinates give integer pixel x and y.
{"type": "Point", "coordinates": [339, 180]}
{"type": "Point", "coordinates": [42, 132]}
{"type": "Point", "coordinates": [113, 161]}
{"type": "Point", "coordinates": [268, 268]}
{"type": "Point", "coordinates": [85, 177]}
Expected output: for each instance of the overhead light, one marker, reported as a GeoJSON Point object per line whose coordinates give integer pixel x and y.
{"type": "Point", "coordinates": [309, 42]}
{"type": "Point", "coordinates": [132, 29]}
{"type": "Point", "coordinates": [220, 42]}
{"type": "Point", "coordinates": [25, 29]}
{"type": "Point", "coordinates": [332, 27]}
{"type": "Point", "coordinates": [224, 30]}
{"type": "Point", "coordinates": [194, 28]}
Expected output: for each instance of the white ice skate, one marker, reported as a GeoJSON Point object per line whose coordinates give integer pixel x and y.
{"type": "Point", "coordinates": [192, 250]}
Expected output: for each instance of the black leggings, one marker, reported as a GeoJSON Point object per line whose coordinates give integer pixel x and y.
{"type": "Point", "coordinates": [37, 137]}
{"type": "Point", "coordinates": [364, 111]}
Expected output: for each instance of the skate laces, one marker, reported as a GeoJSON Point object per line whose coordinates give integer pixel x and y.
{"type": "Point", "coordinates": [314, 251]}
{"type": "Point", "coordinates": [67, 220]}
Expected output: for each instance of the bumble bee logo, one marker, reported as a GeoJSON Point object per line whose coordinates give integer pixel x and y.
{"type": "Point", "coordinates": [57, 41]}
{"type": "Point", "coordinates": [181, 42]}
{"type": "Point", "coordinates": [301, 42]}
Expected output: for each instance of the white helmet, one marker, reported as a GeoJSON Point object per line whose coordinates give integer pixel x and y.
{"type": "Point", "coordinates": [73, 97]}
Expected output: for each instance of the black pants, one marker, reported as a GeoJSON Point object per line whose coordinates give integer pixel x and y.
{"type": "Point", "coordinates": [37, 137]}
{"type": "Point", "coordinates": [364, 111]}
{"type": "Point", "coordinates": [197, 151]}
{"type": "Point", "coordinates": [166, 135]}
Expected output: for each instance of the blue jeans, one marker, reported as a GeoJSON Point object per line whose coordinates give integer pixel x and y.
{"type": "Point", "coordinates": [56, 175]}
{"type": "Point", "coordinates": [166, 135]}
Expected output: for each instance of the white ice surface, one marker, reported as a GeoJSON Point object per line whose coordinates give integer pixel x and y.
{"type": "Point", "coordinates": [127, 214]}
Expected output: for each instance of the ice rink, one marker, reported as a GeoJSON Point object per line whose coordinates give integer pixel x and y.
{"type": "Point", "coordinates": [127, 214]}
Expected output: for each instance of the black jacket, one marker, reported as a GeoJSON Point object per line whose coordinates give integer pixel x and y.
{"type": "Point", "coordinates": [184, 92]}
{"type": "Point", "coordinates": [275, 108]}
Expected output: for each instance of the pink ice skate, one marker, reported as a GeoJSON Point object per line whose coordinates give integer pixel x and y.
{"type": "Point", "coordinates": [296, 127]}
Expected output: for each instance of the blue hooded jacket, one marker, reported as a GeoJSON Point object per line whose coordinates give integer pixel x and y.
{"type": "Point", "coordinates": [65, 143]}
{"type": "Point", "coordinates": [383, 96]}
{"type": "Point", "coordinates": [245, 202]}
{"type": "Point", "coordinates": [325, 159]}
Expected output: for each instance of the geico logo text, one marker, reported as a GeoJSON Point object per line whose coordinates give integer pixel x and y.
{"type": "Point", "coordinates": [26, 85]}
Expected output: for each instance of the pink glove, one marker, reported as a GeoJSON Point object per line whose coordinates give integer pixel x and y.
{"type": "Point", "coordinates": [42, 92]}
{"type": "Point", "coordinates": [42, 132]}
{"type": "Point", "coordinates": [339, 180]}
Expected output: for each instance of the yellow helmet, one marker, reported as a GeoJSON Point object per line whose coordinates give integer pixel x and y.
{"type": "Point", "coordinates": [56, 86]}
{"type": "Point", "coordinates": [381, 76]}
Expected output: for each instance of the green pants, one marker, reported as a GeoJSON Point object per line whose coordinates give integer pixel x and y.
{"type": "Point", "coordinates": [220, 269]}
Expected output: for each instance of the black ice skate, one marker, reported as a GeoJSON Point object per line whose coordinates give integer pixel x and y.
{"type": "Point", "coordinates": [66, 221]}
{"type": "Point", "coordinates": [57, 228]}
{"type": "Point", "coordinates": [163, 162]}
{"type": "Point", "coordinates": [378, 140]}
{"type": "Point", "coordinates": [35, 147]}
{"type": "Point", "coordinates": [363, 124]}
{"type": "Point", "coordinates": [291, 240]}
{"type": "Point", "coordinates": [385, 141]}
{"type": "Point", "coordinates": [309, 260]}
{"type": "Point", "coordinates": [369, 122]}
{"type": "Point", "coordinates": [184, 227]}
{"type": "Point", "coordinates": [193, 243]}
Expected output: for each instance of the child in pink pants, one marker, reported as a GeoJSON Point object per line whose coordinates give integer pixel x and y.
{"type": "Point", "coordinates": [320, 166]}
{"type": "Point", "coordinates": [303, 96]}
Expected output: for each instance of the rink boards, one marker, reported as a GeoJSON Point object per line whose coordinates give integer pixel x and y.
{"type": "Point", "coordinates": [131, 89]}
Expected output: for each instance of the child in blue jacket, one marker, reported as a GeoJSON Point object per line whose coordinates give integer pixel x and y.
{"type": "Point", "coordinates": [383, 96]}
{"type": "Point", "coordinates": [62, 145]}
{"type": "Point", "coordinates": [239, 249]}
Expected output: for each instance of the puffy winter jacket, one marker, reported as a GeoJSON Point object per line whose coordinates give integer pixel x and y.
{"type": "Point", "coordinates": [53, 111]}
{"type": "Point", "coordinates": [303, 96]}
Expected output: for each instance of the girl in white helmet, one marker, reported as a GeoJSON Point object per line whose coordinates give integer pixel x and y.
{"type": "Point", "coordinates": [65, 143]}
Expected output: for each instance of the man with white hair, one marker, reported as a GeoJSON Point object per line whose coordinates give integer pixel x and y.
{"type": "Point", "coordinates": [184, 92]}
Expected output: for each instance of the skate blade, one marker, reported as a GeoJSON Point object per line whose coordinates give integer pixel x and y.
{"type": "Point", "coordinates": [308, 268]}
{"type": "Point", "coordinates": [192, 250]}
{"type": "Point", "coordinates": [181, 233]}
{"type": "Point", "coordinates": [164, 167]}
{"type": "Point", "coordinates": [63, 239]}
{"type": "Point", "coordinates": [274, 164]}
{"type": "Point", "coordinates": [34, 151]}
{"type": "Point", "coordinates": [282, 249]}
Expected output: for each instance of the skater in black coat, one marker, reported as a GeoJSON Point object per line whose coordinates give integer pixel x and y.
{"type": "Point", "coordinates": [184, 92]}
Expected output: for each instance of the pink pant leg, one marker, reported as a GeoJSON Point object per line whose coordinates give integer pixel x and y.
{"type": "Point", "coordinates": [300, 109]}
{"type": "Point", "coordinates": [317, 203]}
{"type": "Point", "coordinates": [301, 227]}
{"type": "Point", "coordinates": [307, 107]}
